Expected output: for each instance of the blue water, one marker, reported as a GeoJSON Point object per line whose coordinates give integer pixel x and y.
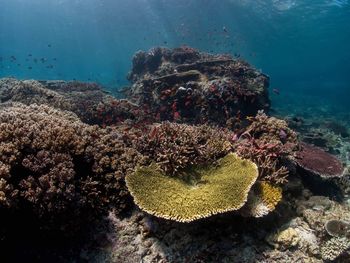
{"type": "Point", "coordinates": [303, 45]}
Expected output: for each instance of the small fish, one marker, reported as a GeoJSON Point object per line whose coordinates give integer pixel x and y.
{"type": "Point", "coordinates": [30, 55]}
{"type": "Point", "coordinates": [224, 29]}
{"type": "Point", "coordinates": [49, 45]}
{"type": "Point", "coordinates": [30, 68]}
{"type": "Point", "coordinates": [55, 59]}
{"type": "Point", "coordinates": [19, 65]}
{"type": "Point", "coordinates": [13, 57]}
{"type": "Point", "coordinates": [165, 42]}
{"type": "Point", "coordinates": [35, 60]}
{"type": "Point", "coordinates": [276, 91]}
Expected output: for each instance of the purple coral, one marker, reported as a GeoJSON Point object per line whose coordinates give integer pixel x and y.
{"type": "Point", "coordinates": [319, 162]}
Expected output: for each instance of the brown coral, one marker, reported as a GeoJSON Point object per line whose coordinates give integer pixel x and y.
{"type": "Point", "coordinates": [52, 161]}
{"type": "Point", "coordinates": [175, 147]}
{"type": "Point", "coordinates": [87, 100]}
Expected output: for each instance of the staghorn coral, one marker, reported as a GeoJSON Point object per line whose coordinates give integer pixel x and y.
{"type": "Point", "coordinates": [52, 162]}
{"type": "Point", "coordinates": [268, 142]}
{"type": "Point", "coordinates": [174, 147]}
{"type": "Point", "coordinates": [204, 192]}
{"type": "Point", "coordinates": [262, 199]}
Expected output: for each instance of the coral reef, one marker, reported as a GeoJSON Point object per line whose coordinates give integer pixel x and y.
{"type": "Point", "coordinates": [87, 100]}
{"type": "Point", "coordinates": [184, 85]}
{"type": "Point", "coordinates": [52, 162]}
{"type": "Point", "coordinates": [175, 147]}
{"type": "Point", "coordinates": [269, 143]}
{"type": "Point", "coordinates": [206, 191]}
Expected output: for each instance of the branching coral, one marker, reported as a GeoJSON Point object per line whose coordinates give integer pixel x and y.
{"type": "Point", "coordinates": [204, 192]}
{"type": "Point", "coordinates": [174, 147]}
{"type": "Point", "coordinates": [266, 142]}
{"type": "Point", "coordinates": [52, 162]}
{"type": "Point", "coordinates": [334, 248]}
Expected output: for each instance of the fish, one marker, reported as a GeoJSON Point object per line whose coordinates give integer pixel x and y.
{"type": "Point", "coordinates": [30, 68]}
{"type": "Point", "coordinates": [49, 45]}
{"type": "Point", "coordinates": [276, 91]}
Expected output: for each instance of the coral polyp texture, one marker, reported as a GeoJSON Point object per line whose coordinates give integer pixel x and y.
{"type": "Point", "coordinates": [185, 85]}
{"type": "Point", "coordinates": [175, 147]}
{"type": "Point", "coordinates": [318, 162]}
{"type": "Point", "coordinates": [204, 192]}
{"type": "Point", "coordinates": [52, 162]}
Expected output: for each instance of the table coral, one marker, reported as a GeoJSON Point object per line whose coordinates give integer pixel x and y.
{"type": "Point", "coordinates": [205, 191]}
{"type": "Point", "coordinates": [318, 162]}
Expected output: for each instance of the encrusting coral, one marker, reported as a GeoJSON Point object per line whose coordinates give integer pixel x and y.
{"type": "Point", "coordinates": [204, 192]}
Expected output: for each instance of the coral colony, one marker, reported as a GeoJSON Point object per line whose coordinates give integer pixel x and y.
{"type": "Point", "coordinates": [192, 139]}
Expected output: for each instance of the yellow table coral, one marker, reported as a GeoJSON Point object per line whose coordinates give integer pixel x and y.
{"type": "Point", "coordinates": [207, 191]}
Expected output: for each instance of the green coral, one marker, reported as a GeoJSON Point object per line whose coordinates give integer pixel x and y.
{"type": "Point", "coordinates": [205, 191]}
